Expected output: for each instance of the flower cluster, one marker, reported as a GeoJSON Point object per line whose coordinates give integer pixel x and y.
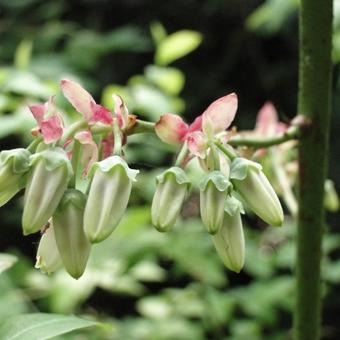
{"type": "Point", "coordinates": [71, 218]}
{"type": "Point", "coordinates": [77, 182]}
{"type": "Point", "coordinates": [280, 161]}
{"type": "Point", "coordinates": [230, 181]}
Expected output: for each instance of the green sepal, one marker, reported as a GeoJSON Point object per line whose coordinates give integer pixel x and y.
{"type": "Point", "coordinates": [20, 159]}
{"type": "Point", "coordinates": [240, 166]}
{"type": "Point", "coordinates": [53, 159]}
{"type": "Point", "coordinates": [74, 197]}
{"type": "Point", "coordinates": [108, 165]}
{"type": "Point", "coordinates": [233, 206]}
{"type": "Point", "coordinates": [176, 172]}
{"type": "Point", "coordinates": [219, 180]}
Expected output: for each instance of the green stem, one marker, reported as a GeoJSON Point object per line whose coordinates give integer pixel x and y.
{"type": "Point", "coordinates": [74, 162]}
{"type": "Point", "coordinates": [182, 155]}
{"type": "Point", "coordinates": [117, 149]}
{"type": "Point", "coordinates": [73, 129]}
{"type": "Point", "coordinates": [213, 159]}
{"type": "Point", "coordinates": [314, 100]}
{"type": "Point", "coordinates": [230, 154]}
{"type": "Point", "coordinates": [32, 147]}
{"type": "Point", "coordinates": [101, 129]}
{"type": "Point", "coordinates": [261, 142]}
{"type": "Point", "coordinates": [141, 126]}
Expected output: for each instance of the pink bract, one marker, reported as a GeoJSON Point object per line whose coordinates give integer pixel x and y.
{"type": "Point", "coordinates": [267, 121]}
{"type": "Point", "coordinates": [90, 150]}
{"type": "Point", "coordinates": [121, 111]}
{"type": "Point", "coordinates": [84, 103]}
{"type": "Point", "coordinates": [171, 129]}
{"type": "Point", "coordinates": [108, 144]}
{"type": "Point", "coordinates": [50, 123]}
{"type": "Point", "coordinates": [215, 119]}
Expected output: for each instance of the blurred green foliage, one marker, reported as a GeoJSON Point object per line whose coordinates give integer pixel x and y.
{"type": "Point", "coordinates": [139, 283]}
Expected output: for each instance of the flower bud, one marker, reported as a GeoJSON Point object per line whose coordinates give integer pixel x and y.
{"type": "Point", "coordinates": [14, 165]}
{"type": "Point", "coordinates": [213, 193]}
{"type": "Point", "coordinates": [172, 187]}
{"type": "Point", "coordinates": [108, 197]}
{"type": "Point", "coordinates": [253, 186]}
{"type": "Point", "coordinates": [48, 257]}
{"type": "Point", "coordinates": [229, 240]}
{"type": "Point", "coordinates": [46, 184]}
{"type": "Point", "coordinates": [74, 248]}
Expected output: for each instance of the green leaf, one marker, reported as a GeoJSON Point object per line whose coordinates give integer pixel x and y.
{"type": "Point", "coordinates": [11, 296]}
{"type": "Point", "coordinates": [176, 46]}
{"type": "Point", "coordinates": [127, 38]}
{"type": "Point", "coordinates": [40, 326]}
{"type": "Point", "coordinates": [6, 261]}
{"type": "Point", "coordinates": [158, 32]}
{"type": "Point", "coordinates": [27, 84]}
{"type": "Point", "coordinates": [169, 79]}
{"type": "Point", "coordinates": [122, 91]}
{"type": "Point", "coordinates": [152, 102]}
{"type": "Point", "coordinates": [16, 123]}
{"type": "Point", "coordinates": [23, 54]}
{"type": "Point", "coordinates": [154, 307]}
{"type": "Point", "coordinates": [271, 16]}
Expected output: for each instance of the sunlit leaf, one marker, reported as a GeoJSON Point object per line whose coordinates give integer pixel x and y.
{"type": "Point", "coordinates": [158, 32]}
{"type": "Point", "coordinates": [11, 296]}
{"type": "Point", "coordinates": [18, 122]}
{"type": "Point", "coordinates": [270, 17]}
{"type": "Point", "coordinates": [176, 46]}
{"type": "Point", "coordinates": [27, 84]}
{"type": "Point", "coordinates": [6, 261]}
{"type": "Point", "coordinates": [122, 91]}
{"type": "Point", "coordinates": [169, 79]}
{"type": "Point", "coordinates": [154, 307]}
{"type": "Point", "coordinates": [152, 102]}
{"type": "Point", "coordinates": [23, 53]}
{"type": "Point", "coordinates": [40, 326]}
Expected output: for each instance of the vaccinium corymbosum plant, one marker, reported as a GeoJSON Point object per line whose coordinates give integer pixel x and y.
{"type": "Point", "coordinates": [71, 215]}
